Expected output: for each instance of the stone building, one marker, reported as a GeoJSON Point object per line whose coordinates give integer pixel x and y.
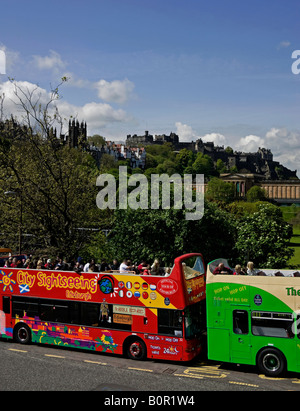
{"type": "Point", "coordinates": [135, 155]}
{"type": "Point", "coordinates": [281, 191]}
{"type": "Point", "coordinates": [259, 163]}
{"type": "Point", "coordinates": [77, 135]}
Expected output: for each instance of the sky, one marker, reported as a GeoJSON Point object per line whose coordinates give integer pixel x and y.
{"type": "Point", "coordinates": [217, 70]}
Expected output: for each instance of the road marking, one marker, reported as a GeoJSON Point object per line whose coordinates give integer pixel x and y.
{"type": "Point", "coordinates": [189, 376]}
{"type": "Point", "coordinates": [96, 362]}
{"type": "Point", "coordinates": [54, 356]}
{"type": "Point", "coordinates": [204, 371]}
{"type": "Point", "coordinates": [243, 383]}
{"type": "Point", "coordinates": [139, 369]}
{"type": "Point", "coordinates": [264, 377]}
{"type": "Point", "coordinates": [14, 349]}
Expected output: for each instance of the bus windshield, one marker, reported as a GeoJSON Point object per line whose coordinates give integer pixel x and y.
{"type": "Point", "coordinates": [193, 267]}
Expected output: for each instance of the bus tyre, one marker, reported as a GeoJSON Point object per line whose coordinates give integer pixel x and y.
{"type": "Point", "coordinates": [271, 362]}
{"type": "Point", "coordinates": [22, 334]}
{"type": "Point", "coordinates": [136, 349]}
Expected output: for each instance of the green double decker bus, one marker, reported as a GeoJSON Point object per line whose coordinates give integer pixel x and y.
{"type": "Point", "coordinates": [254, 320]}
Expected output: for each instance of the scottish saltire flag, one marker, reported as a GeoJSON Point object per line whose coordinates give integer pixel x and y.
{"type": "Point", "coordinates": [24, 288]}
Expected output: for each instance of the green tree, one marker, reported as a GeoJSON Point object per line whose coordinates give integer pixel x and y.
{"type": "Point", "coordinates": [263, 237]}
{"type": "Point", "coordinates": [161, 150]}
{"type": "Point", "coordinates": [229, 150]}
{"type": "Point", "coordinates": [221, 166]}
{"type": "Point", "coordinates": [97, 140]}
{"type": "Point", "coordinates": [220, 191]}
{"type": "Point", "coordinates": [166, 234]}
{"type": "Point", "coordinates": [107, 162]}
{"type": "Point", "coordinates": [256, 193]}
{"type": "Point", "coordinates": [203, 164]}
{"type": "Point", "coordinates": [151, 161]}
{"type": "Point", "coordinates": [54, 185]}
{"type": "Point", "coordinates": [184, 159]}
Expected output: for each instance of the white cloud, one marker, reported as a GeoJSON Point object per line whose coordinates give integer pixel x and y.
{"type": "Point", "coordinates": [97, 115]}
{"type": "Point", "coordinates": [115, 91]}
{"type": "Point", "coordinates": [283, 44]}
{"type": "Point", "coordinates": [217, 138]}
{"type": "Point", "coordinates": [250, 143]}
{"type": "Point", "coordinates": [281, 138]}
{"type": "Point", "coordinates": [185, 132]}
{"type": "Point", "coordinates": [12, 57]}
{"type": "Point", "coordinates": [284, 143]}
{"type": "Point", "coordinates": [12, 102]}
{"type": "Point", "coordinates": [75, 81]}
{"type": "Point", "coordinates": [51, 62]}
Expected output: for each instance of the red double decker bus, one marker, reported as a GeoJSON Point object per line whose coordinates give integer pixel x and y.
{"type": "Point", "coordinates": [141, 316]}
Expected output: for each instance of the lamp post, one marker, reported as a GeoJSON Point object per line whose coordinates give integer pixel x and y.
{"type": "Point", "coordinates": [19, 194]}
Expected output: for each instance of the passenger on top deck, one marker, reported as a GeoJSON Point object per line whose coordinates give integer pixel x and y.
{"type": "Point", "coordinates": [125, 266]}
{"type": "Point", "coordinates": [238, 270]}
{"type": "Point", "coordinates": [250, 268]}
{"type": "Point", "coordinates": [221, 269]}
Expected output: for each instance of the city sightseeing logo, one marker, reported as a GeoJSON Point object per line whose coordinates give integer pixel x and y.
{"type": "Point", "coordinates": [296, 64]}
{"type": "Point", "coordinates": [186, 191]}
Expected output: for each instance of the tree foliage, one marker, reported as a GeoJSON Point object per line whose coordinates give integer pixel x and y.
{"type": "Point", "coordinates": [263, 237]}
{"type": "Point", "coordinates": [162, 159]}
{"type": "Point", "coordinates": [256, 193]}
{"type": "Point", "coordinates": [220, 191]}
{"type": "Point", "coordinates": [165, 234]}
{"type": "Point", "coordinates": [53, 186]}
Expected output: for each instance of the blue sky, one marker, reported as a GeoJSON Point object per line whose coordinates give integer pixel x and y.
{"type": "Point", "coordinates": [219, 70]}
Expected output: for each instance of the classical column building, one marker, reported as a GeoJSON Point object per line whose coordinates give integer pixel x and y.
{"type": "Point", "coordinates": [281, 191]}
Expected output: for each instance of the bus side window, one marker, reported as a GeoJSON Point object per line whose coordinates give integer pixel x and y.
{"type": "Point", "coordinates": [240, 322]}
{"type": "Point", "coordinates": [6, 304]}
{"type": "Point", "coordinates": [170, 322]}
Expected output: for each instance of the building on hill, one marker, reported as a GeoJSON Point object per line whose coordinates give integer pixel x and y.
{"type": "Point", "coordinates": [77, 135]}
{"type": "Point", "coordinates": [77, 138]}
{"type": "Point", "coordinates": [259, 163]}
{"type": "Point", "coordinates": [147, 139]}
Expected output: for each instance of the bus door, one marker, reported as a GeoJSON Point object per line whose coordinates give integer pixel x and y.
{"type": "Point", "coordinates": [240, 339]}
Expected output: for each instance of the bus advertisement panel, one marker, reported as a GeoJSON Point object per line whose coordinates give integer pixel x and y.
{"type": "Point", "coordinates": [254, 320]}
{"type": "Point", "coordinates": [139, 315]}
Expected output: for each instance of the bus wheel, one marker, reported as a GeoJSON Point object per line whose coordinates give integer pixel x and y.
{"type": "Point", "coordinates": [136, 349]}
{"type": "Point", "coordinates": [271, 362]}
{"type": "Point", "coordinates": [22, 334]}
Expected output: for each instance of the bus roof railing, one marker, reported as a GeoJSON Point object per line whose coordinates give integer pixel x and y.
{"type": "Point", "coordinates": [269, 272]}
